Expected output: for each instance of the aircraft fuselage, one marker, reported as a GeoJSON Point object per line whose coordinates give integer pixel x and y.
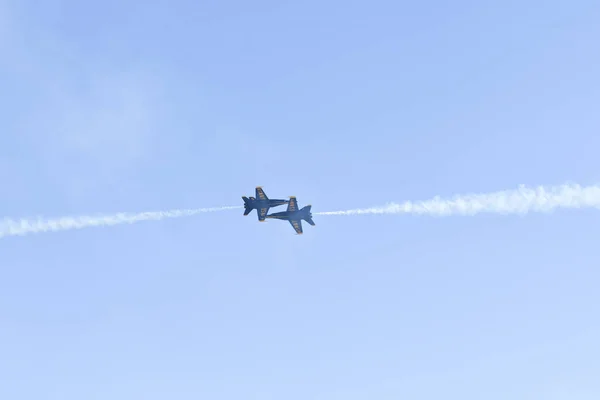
{"type": "Point", "coordinates": [256, 204]}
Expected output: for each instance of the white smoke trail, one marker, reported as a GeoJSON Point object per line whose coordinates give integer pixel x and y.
{"type": "Point", "coordinates": [9, 227]}
{"type": "Point", "coordinates": [519, 201]}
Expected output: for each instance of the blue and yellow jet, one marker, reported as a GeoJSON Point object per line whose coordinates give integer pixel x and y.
{"type": "Point", "coordinates": [294, 215]}
{"type": "Point", "coordinates": [261, 203]}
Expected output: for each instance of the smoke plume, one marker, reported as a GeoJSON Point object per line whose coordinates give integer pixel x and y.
{"type": "Point", "coordinates": [519, 201]}
{"type": "Point", "coordinates": [21, 227]}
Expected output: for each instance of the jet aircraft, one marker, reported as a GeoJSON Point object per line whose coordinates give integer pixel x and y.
{"type": "Point", "coordinates": [261, 203]}
{"type": "Point", "coordinates": [294, 215]}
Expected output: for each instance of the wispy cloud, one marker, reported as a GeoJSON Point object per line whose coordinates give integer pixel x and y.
{"type": "Point", "coordinates": [88, 120]}
{"type": "Point", "coordinates": [106, 127]}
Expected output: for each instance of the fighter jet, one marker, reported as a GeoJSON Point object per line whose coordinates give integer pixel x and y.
{"type": "Point", "coordinates": [294, 215]}
{"type": "Point", "coordinates": [261, 203]}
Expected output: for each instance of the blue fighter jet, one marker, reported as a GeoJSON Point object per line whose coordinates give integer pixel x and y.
{"type": "Point", "coordinates": [261, 203]}
{"type": "Point", "coordinates": [294, 215]}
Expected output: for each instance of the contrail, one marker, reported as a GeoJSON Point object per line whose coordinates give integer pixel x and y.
{"type": "Point", "coordinates": [518, 201]}
{"type": "Point", "coordinates": [21, 227]}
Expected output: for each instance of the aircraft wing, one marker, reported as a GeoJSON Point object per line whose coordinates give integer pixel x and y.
{"type": "Point", "coordinates": [293, 204]}
{"type": "Point", "coordinates": [262, 213]}
{"type": "Point", "coordinates": [297, 225]}
{"type": "Point", "coordinates": [260, 194]}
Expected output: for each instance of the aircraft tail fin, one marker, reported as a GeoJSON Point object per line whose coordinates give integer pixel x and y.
{"type": "Point", "coordinates": [247, 208]}
{"type": "Point", "coordinates": [308, 215]}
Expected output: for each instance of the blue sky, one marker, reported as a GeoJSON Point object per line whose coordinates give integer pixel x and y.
{"type": "Point", "coordinates": [141, 106]}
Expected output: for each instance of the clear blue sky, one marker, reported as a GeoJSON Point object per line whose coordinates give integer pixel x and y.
{"type": "Point", "coordinates": [139, 106]}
